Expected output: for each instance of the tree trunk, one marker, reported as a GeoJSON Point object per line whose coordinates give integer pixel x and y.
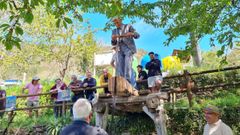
{"type": "Point", "coordinates": [196, 52]}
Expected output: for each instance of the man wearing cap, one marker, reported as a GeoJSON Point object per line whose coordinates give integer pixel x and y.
{"type": "Point", "coordinates": [214, 125]}
{"type": "Point", "coordinates": [123, 38]}
{"type": "Point", "coordinates": [154, 73]}
{"type": "Point", "coordinates": [142, 75]}
{"type": "Point", "coordinates": [33, 88]}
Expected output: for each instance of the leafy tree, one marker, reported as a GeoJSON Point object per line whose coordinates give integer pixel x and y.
{"type": "Point", "coordinates": [194, 18]}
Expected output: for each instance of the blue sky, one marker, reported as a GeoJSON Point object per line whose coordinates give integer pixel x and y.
{"type": "Point", "coordinates": [151, 39]}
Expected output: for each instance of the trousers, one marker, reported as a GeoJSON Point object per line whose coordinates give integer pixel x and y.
{"type": "Point", "coordinates": [124, 62]}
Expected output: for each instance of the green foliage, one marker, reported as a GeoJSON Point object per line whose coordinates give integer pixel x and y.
{"type": "Point", "coordinates": [55, 127]}
{"type": "Point", "coordinates": [135, 124]}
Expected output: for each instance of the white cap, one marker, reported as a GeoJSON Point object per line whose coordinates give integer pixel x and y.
{"type": "Point", "coordinates": [35, 78]}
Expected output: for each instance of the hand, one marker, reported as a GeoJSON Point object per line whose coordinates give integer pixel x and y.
{"type": "Point", "coordinates": [85, 84]}
{"type": "Point", "coordinates": [114, 37]}
{"type": "Point", "coordinates": [129, 34]}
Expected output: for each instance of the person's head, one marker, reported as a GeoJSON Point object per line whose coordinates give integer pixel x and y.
{"type": "Point", "coordinates": [211, 113]}
{"type": "Point", "coordinates": [35, 80]}
{"type": "Point", "coordinates": [151, 55]}
{"type": "Point", "coordinates": [88, 74]}
{"type": "Point", "coordinates": [105, 72]}
{"type": "Point", "coordinates": [58, 81]}
{"type": "Point", "coordinates": [139, 68]}
{"type": "Point", "coordinates": [117, 21]}
{"type": "Point", "coordinates": [82, 110]}
{"type": "Point", "coordinates": [74, 78]}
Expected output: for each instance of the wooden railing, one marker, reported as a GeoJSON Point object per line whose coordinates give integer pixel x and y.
{"type": "Point", "coordinates": [171, 90]}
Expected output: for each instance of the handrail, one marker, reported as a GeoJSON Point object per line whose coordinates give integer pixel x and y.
{"type": "Point", "coordinates": [124, 99]}
{"type": "Point", "coordinates": [49, 93]}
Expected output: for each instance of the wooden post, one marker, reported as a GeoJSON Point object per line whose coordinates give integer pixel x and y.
{"type": "Point", "coordinates": [102, 117]}
{"type": "Point", "coordinates": [158, 117]}
{"type": "Point", "coordinates": [63, 107]}
{"type": "Point", "coordinates": [188, 84]}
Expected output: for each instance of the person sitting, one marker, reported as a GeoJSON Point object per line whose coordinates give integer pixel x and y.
{"type": "Point", "coordinates": [74, 85]}
{"type": "Point", "coordinates": [59, 85]}
{"type": "Point", "coordinates": [82, 115]}
{"type": "Point", "coordinates": [104, 80]}
{"type": "Point", "coordinates": [214, 125]}
{"type": "Point", "coordinates": [89, 82]}
{"type": "Point", "coordinates": [154, 73]}
{"type": "Point", "coordinates": [142, 75]}
{"type": "Point", "coordinates": [33, 88]}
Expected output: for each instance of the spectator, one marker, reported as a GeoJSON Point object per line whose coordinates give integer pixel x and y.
{"type": "Point", "coordinates": [33, 88]}
{"type": "Point", "coordinates": [75, 85]}
{"type": "Point", "coordinates": [142, 75]}
{"type": "Point", "coordinates": [104, 80]}
{"type": "Point", "coordinates": [114, 57]}
{"type": "Point", "coordinates": [82, 115]}
{"type": "Point", "coordinates": [154, 73]}
{"type": "Point", "coordinates": [89, 82]}
{"type": "Point", "coordinates": [2, 101]}
{"type": "Point", "coordinates": [59, 85]}
{"type": "Point", "coordinates": [214, 125]}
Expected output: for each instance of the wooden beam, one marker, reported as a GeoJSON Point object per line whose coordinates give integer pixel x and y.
{"type": "Point", "coordinates": [132, 99]}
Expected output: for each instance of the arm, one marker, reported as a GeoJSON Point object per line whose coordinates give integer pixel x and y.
{"type": "Point", "coordinates": [147, 66]}
{"type": "Point", "coordinates": [101, 80]}
{"type": "Point", "coordinates": [135, 34]}
{"type": "Point", "coordinates": [114, 41]}
{"type": "Point", "coordinates": [24, 88]}
{"type": "Point", "coordinates": [53, 88]}
{"type": "Point", "coordinates": [40, 88]}
{"type": "Point", "coordinates": [92, 83]}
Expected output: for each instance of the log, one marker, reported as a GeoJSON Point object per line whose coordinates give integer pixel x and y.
{"type": "Point", "coordinates": [153, 100]}
{"type": "Point", "coordinates": [158, 117]}
{"type": "Point", "coordinates": [102, 118]}
{"type": "Point", "coordinates": [123, 87]}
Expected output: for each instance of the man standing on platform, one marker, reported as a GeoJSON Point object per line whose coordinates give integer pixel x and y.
{"type": "Point", "coordinates": [154, 73]}
{"type": "Point", "coordinates": [123, 38]}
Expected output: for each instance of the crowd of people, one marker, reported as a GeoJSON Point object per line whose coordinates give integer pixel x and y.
{"type": "Point", "coordinates": [123, 45]}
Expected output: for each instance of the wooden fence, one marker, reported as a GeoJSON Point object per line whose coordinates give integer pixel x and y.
{"type": "Point", "coordinates": [187, 89]}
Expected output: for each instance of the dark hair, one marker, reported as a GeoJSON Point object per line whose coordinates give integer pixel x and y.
{"type": "Point", "coordinates": [150, 53]}
{"type": "Point", "coordinates": [58, 79]}
{"type": "Point", "coordinates": [140, 66]}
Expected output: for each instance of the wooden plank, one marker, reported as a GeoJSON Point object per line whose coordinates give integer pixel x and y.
{"type": "Point", "coordinates": [132, 99]}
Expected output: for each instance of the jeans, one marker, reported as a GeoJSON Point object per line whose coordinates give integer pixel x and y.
{"type": "Point", "coordinates": [124, 62]}
{"type": "Point", "coordinates": [90, 94]}
{"type": "Point", "coordinates": [75, 97]}
{"type": "Point", "coordinates": [57, 109]}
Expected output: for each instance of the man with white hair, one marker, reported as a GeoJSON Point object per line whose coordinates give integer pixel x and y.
{"type": "Point", "coordinates": [123, 38]}
{"type": "Point", "coordinates": [82, 115]}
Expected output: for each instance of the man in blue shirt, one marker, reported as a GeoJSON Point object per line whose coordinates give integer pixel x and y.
{"type": "Point", "coordinates": [154, 73]}
{"type": "Point", "coordinates": [89, 82]}
{"type": "Point", "coordinates": [82, 115]}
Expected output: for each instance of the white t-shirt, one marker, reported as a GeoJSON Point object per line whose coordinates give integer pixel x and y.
{"type": "Point", "coordinates": [218, 128]}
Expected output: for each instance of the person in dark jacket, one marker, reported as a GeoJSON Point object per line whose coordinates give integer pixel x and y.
{"type": "Point", "coordinates": [82, 115]}
{"type": "Point", "coordinates": [154, 73]}
{"type": "Point", "coordinates": [142, 75]}
{"type": "Point", "coordinates": [89, 82]}
{"type": "Point", "coordinates": [75, 86]}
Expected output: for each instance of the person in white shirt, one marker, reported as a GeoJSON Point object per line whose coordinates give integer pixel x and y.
{"type": "Point", "coordinates": [214, 125]}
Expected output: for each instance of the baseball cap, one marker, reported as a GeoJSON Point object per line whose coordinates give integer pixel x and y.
{"type": "Point", "coordinates": [35, 78]}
